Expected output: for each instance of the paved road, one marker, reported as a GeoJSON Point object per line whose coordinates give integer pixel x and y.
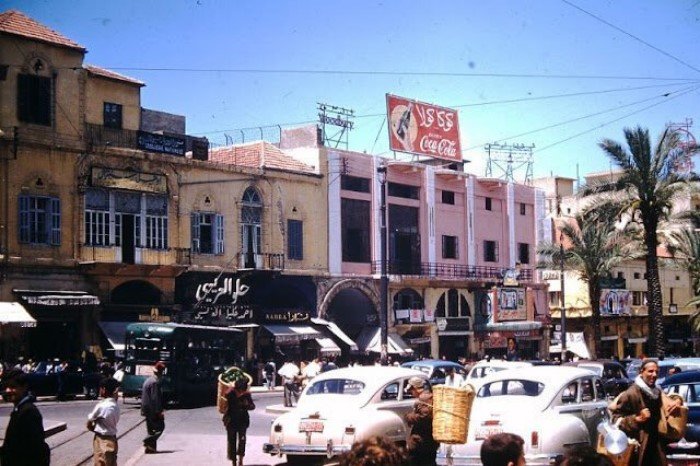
{"type": "Point", "coordinates": [192, 436]}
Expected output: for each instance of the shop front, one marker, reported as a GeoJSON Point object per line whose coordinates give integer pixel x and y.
{"type": "Point", "coordinates": [453, 337]}
{"type": "Point", "coordinates": [415, 327]}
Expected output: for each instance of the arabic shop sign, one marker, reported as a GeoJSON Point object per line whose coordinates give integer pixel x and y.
{"type": "Point", "coordinates": [286, 316]}
{"type": "Point", "coordinates": [161, 143]}
{"type": "Point", "coordinates": [220, 299]}
{"type": "Point", "coordinates": [126, 179]}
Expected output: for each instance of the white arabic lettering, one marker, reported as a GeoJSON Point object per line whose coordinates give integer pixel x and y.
{"type": "Point", "coordinates": [428, 116]}
{"type": "Point", "coordinates": [211, 292]}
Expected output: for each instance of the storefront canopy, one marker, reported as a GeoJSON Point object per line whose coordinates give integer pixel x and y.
{"type": "Point", "coordinates": [115, 332]}
{"type": "Point", "coordinates": [335, 330]}
{"type": "Point", "coordinates": [15, 313]}
{"type": "Point", "coordinates": [327, 347]}
{"type": "Point", "coordinates": [369, 341]}
{"type": "Point", "coordinates": [292, 333]}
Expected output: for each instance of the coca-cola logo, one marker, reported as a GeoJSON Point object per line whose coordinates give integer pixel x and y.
{"type": "Point", "coordinates": [443, 147]}
{"type": "Point", "coordinates": [430, 115]}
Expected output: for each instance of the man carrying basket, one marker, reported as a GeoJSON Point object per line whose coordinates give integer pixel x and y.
{"type": "Point", "coordinates": [422, 447]}
{"type": "Point", "coordinates": [237, 420]}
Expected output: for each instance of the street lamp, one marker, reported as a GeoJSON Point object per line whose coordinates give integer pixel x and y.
{"type": "Point", "coordinates": [561, 298]}
{"type": "Point", "coordinates": [384, 279]}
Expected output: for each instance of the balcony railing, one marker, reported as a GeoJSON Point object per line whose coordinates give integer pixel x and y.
{"type": "Point", "coordinates": [260, 261]}
{"type": "Point", "coordinates": [442, 270]}
{"type": "Point", "coordinates": [110, 254]}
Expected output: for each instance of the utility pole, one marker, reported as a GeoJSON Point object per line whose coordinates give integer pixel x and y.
{"type": "Point", "coordinates": [562, 301]}
{"type": "Point", "coordinates": [384, 279]}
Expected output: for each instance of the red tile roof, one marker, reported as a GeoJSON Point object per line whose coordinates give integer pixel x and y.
{"type": "Point", "coordinates": [258, 154]}
{"type": "Point", "coordinates": [17, 23]}
{"type": "Point", "coordinates": [109, 74]}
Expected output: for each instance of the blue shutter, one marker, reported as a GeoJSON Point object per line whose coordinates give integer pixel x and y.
{"type": "Point", "coordinates": [194, 231]}
{"type": "Point", "coordinates": [219, 234]}
{"type": "Point", "coordinates": [24, 219]}
{"type": "Point", "coordinates": [55, 233]}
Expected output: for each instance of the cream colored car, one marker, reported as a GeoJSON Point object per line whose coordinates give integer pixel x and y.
{"type": "Point", "coordinates": [339, 407]}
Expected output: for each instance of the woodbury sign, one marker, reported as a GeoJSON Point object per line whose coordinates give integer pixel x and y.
{"type": "Point", "coordinates": [423, 129]}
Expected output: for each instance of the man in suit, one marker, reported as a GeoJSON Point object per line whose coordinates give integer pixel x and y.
{"type": "Point", "coordinates": [152, 407]}
{"type": "Point", "coordinates": [24, 443]}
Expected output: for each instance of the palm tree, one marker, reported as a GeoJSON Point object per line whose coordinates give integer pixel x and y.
{"type": "Point", "coordinates": [646, 188]}
{"type": "Point", "coordinates": [595, 247]}
{"type": "Point", "coordinates": [685, 246]}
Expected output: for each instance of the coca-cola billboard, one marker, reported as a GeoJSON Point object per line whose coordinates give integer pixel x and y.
{"type": "Point", "coordinates": [423, 129]}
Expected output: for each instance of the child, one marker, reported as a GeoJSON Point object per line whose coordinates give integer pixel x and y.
{"type": "Point", "coordinates": [103, 421]}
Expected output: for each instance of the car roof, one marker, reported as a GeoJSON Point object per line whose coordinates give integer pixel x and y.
{"type": "Point", "coordinates": [431, 363]}
{"type": "Point", "coordinates": [371, 376]}
{"type": "Point", "coordinates": [502, 363]}
{"type": "Point", "coordinates": [555, 377]}
{"type": "Point", "coordinates": [682, 377]}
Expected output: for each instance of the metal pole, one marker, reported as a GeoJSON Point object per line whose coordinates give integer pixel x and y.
{"type": "Point", "coordinates": [562, 300]}
{"type": "Point", "coordinates": [384, 279]}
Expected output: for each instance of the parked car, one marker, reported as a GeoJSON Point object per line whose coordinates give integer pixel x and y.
{"type": "Point", "coordinates": [687, 385]}
{"type": "Point", "coordinates": [550, 407]}
{"type": "Point", "coordinates": [612, 373]}
{"type": "Point", "coordinates": [343, 406]}
{"type": "Point", "coordinates": [65, 384]}
{"type": "Point", "coordinates": [436, 369]}
{"type": "Point", "coordinates": [685, 364]}
{"type": "Point", "coordinates": [489, 366]}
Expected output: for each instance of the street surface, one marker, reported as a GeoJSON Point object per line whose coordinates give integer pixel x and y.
{"type": "Point", "coordinates": [192, 436]}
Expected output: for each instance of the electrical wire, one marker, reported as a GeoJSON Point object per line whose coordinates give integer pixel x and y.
{"type": "Point", "coordinates": [617, 28]}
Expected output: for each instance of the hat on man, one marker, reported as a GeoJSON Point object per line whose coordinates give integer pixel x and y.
{"type": "Point", "coordinates": [416, 382]}
{"type": "Point", "coordinates": [159, 367]}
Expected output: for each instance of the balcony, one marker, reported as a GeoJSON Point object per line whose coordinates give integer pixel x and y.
{"type": "Point", "coordinates": [449, 271]}
{"type": "Point", "coordinates": [143, 256]}
{"type": "Point", "coordinates": [260, 261]}
{"type": "Point", "coordinates": [100, 137]}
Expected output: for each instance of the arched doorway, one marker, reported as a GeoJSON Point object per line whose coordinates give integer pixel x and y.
{"type": "Point", "coordinates": [453, 308]}
{"type": "Point", "coordinates": [352, 310]}
{"type": "Point", "coordinates": [136, 292]}
{"type": "Point", "coordinates": [251, 229]}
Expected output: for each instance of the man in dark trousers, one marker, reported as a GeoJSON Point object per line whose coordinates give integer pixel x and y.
{"type": "Point", "coordinates": [422, 447]}
{"type": "Point", "coordinates": [152, 407]}
{"type": "Point", "coordinates": [24, 443]}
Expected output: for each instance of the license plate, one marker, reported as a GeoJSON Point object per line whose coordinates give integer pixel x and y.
{"type": "Point", "coordinates": [483, 432]}
{"type": "Point", "coordinates": [142, 369]}
{"type": "Point", "coordinates": [311, 426]}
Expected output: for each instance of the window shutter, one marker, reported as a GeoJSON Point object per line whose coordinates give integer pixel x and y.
{"type": "Point", "coordinates": [495, 251]}
{"type": "Point", "coordinates": [219, 232]}
{"type": "Point", "coordinates": [24, 219]}
{"type": "Point", "coordinates": [195, 231]}
{"type": "Point", "coordinates": [456, 247]}
{"type": "Point", "coordinates": [55, 221]}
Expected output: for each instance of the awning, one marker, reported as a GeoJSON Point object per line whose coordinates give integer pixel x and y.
{"type": "Point", "coordinates": [335, 330]}
{"type": "Point", "coordinates": [244, 326]}
{"type": "Point", "coordinates": [369, 341]}
{"type": "Point", "coordinates": [511, 326]}
{"type": "Point", "coordinates": [15, 313]}
{"type": "Point", "coordinates": [115, 332]}
{"type": "Point", "coordinates": [576, 343]}
{"type": "Point", "coordinates": [292, 334]}
{"type": "Point", "coordinates": [637, 340]}
{"type": "Point", "coordinates": [327, 346]}
{"type": "Point", "coordinates": [609, 337]}
{"type": "Point", "coordinates": [57, 298]}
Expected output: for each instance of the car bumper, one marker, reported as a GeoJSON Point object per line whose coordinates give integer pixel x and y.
{"type": "Point", "coordinates": [329, 449]}
{"type": "Point", "coordinates": [448, 458]}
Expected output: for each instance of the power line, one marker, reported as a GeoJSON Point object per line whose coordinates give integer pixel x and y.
{"type": "Point", "coordinates": [607, 23]}
{"type": "Point", "coordinates": [396, 73]}
{"type": "Point", "coordinates": [479, 104]}
{"type": "Point", "coordinates": [615, 120]}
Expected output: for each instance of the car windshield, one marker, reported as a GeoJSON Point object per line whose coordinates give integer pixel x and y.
{"type": "Point", "coordinates": [423, 369]}
{"type": "Point", "coordinates": [598, 370]}
{"type": "Point", "coordinates": [336, 387]}
{"type": "Point", "coordinates": [511, 387]}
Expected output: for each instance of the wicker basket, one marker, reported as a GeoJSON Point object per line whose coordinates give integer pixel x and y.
{"type": "Point", "coordinates": [223, 387]}
{"type": "Point", "coordinates": [451, 410]}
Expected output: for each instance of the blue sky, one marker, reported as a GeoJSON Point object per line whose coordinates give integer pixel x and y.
{"type": "Point", "coordinates": [351, 54]}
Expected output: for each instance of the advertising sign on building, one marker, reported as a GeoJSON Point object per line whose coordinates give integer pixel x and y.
{"type": "Point", "coordinates": [416, 316]}
{"type": "Point", "coordinates": [423, 129]}
{"type": "Point", "coordinates": [428, 315]}
{"type": "Point", "coordinates": [615, 302]}
{"type": "Point", "coordinates": [511, 304]}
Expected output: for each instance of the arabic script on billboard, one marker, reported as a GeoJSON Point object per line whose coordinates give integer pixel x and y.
{"type": "Point", "coordinates": [423, 129]}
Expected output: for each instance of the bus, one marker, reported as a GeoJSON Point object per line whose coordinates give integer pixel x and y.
{"type": "Point", "coordinates": [194, 355]}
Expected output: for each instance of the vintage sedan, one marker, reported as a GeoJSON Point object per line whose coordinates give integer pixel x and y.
{"type": "Point", "coordinates": [340, 407]}
{"type": "Point", "coordinates": [550, 407]}
{"type": "Point", "coordinates": [687, 386]}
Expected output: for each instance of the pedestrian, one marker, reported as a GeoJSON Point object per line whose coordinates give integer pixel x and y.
{"type": "Point", "coordinates": [270, 370]}
{"type": "Point", "coordinates": [237, 420]}
{"type": "Point", "coordinates": [422, 447]}
{"type": "Point", "coordinates": [512, 350]}
{"type": "Point", "coordinates": [103, 420]}
{"type": "Point", "coordinates": [453, 378]}
{"type": "Point", "coordinates": [374, 451]}
{"type": "Point", "coordinates": [289, 373]}
{"type": "Point", "coordinates": [152, 408]}
{"type": "Point", "coordinates": [503, 449]}
{"type": "Point", "coordinates": [640, 408]}
{"type": "Point", "coordinates": [24, 443]}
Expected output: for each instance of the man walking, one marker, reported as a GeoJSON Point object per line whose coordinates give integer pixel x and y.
{"type": "Point", "coordinates": [422, 447]}
{"type": "Point", "coordinates": [24, 443]}
{"type": "Point", "coordinates": [103, 422]}
{"type": "Point", "coordinates": [152, 408]}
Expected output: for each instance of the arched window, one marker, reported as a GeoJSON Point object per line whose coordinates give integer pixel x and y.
{"type": "Point", "coordinates": [408, 298]}
{"type": "Point", "coordinates": [452, 304]}
{"type": "Point", "coordinates": [251, 229]}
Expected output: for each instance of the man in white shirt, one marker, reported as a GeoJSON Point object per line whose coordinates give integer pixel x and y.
{"type": "Point", "coordinates": [453, 379]}
{"type": "Point", "coordinates": [103, 422]}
